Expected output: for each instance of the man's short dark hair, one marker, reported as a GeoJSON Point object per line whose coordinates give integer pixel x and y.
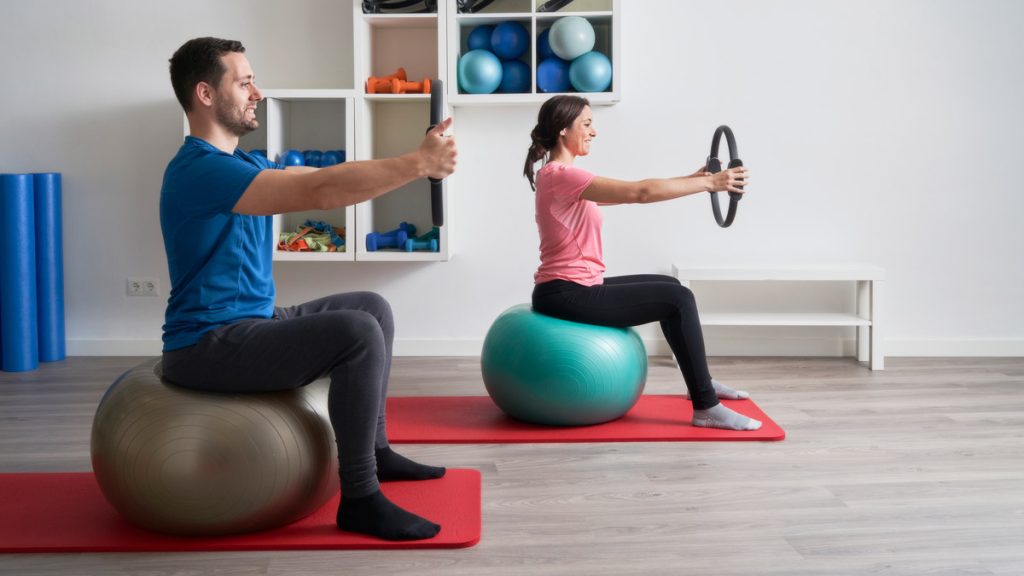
{"type": "Point", "coordinates": [198, 60]}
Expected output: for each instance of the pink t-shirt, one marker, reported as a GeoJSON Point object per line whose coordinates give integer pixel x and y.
{"type": "Point", "coordinates": [569, 227]}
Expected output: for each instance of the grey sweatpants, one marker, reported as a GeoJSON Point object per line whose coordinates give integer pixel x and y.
{"type": "Point", "coordinates": [346, 336]}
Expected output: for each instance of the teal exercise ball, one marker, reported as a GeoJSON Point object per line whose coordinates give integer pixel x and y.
{"type": "Point", "coordinates": [479, 72]}
{"type": "Point", "coordinates": [549, 371]}
{"type": "Point", "coordinates": [591, 72]}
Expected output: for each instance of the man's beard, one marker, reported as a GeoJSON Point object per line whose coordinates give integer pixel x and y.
{"type": "Point", "coordinates": [235, 124]}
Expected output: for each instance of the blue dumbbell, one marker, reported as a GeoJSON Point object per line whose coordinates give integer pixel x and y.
{"type": "Point", "coordinates": [394, 239]}
{"type": "Point", "coordinates": [428, 245]}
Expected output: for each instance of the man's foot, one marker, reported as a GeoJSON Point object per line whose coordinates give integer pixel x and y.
{"type": "Point", "coordinates": [377, 516]}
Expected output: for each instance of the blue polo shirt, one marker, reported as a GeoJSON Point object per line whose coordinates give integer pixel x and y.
{"type": "Point", "coordinates": [219, 261]}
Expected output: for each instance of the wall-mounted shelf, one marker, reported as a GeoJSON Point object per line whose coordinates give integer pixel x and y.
{"type": "Point", "coordinates": [602, 14]}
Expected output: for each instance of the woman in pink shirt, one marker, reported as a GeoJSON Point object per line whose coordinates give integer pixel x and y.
{"type": "Point", "coordinates": [570, 281]}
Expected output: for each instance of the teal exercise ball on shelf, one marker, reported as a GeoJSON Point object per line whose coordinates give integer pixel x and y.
{"type": "Point", "coordinates": [479, 72]}
{"type": "Point", "coordinates": [591, 72]}
{"type": "Point", "coordinates": [571, 37]}
{"type": "Point", "coordinates": [549, 371]}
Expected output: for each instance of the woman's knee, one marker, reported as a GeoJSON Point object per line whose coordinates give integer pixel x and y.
{"type": "Point", "coordinates": [684, 296]}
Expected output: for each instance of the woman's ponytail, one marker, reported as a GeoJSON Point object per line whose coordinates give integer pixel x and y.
{"type": "Point", "coordinates": [536, 153]}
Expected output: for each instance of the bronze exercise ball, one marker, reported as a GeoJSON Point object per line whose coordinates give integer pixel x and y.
{"type": "Point", "coordinates": [179, 461]}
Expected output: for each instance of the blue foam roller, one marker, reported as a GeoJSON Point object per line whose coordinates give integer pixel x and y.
{"type": "Point", "coordinates": [18, 273]}
{"type": "Point", "coordinates": [46, 188]}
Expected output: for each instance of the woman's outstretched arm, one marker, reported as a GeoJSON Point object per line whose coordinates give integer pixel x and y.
{"type": "Point", "coordinates": [610, 191]}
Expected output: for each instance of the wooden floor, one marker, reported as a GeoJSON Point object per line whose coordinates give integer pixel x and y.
{"type": "Point", "coordinates": [915, 470]}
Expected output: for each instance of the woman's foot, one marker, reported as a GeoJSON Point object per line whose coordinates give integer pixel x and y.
{"type": "Point", "coordinates": [393, 466]}
{"type": "Point", "coordinates": [726, 393]}
{"type": "Point", "coordinates": [377, 516]}
{"type": "Point", "coordinates": [718, 416]}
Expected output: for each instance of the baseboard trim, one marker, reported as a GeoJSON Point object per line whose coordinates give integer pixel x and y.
{"type": "Point", "coordinates": [952, 347]}
{"type": "Point", "coordinates": [894, 347]}
{"type": "Point", "coordinates": [97, 347]}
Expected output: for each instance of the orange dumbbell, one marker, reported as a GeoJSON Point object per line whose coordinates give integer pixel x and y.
{"type": "Point", "coordinates": [375, 85]}
{"type": "Point", "coordinates": [402, 87]}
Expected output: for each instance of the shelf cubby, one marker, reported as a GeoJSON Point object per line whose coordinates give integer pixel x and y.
{"type": "Point", "coordinates": [311, 120]}
{"type": "Point", "coordinates": [394, 124]}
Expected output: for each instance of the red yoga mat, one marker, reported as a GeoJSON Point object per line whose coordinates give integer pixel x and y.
{"type": "Point", "coordinates": [66, 512]}
{"type": "Point", "coordinates": [477, 420]}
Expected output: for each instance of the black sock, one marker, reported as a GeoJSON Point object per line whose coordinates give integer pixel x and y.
{"type": "Point", "coordinates": [377, 516]}
{"type": "Point", "coordinates": [393, 466]}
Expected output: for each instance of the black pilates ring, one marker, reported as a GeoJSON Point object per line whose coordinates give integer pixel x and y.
{"type": "Point", "coordinates": [714, 165]}
{"type": "Point", "coordinates": [436, 185]}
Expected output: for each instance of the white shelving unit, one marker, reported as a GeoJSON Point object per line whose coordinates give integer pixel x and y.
{"type": "Point", "coordinates": [867, 319]}
{"type": "Point", "coordinates": [602, 14]}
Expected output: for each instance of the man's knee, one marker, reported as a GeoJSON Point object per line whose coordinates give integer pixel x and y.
{"type": "Point", "coordinates": [376, 305]}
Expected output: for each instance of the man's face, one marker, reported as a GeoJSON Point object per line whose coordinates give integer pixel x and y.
{"type": "Point", "coordinates": [236, 97]}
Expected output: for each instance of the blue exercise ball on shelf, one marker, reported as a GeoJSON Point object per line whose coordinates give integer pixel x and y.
{"type": "Point", "coordinates": [480, 37]}
{"type": "Point", "coordinates": [510, 40]}
{"type": "Point", "coordinates": [330, 158]}
{"type": "Point", "coordinates": [312, 157]}
{"type": "Point", "coordinates": [479, 72]}
{"type": "Point", "coordinates": [292, 158]}
{"type": "Point", "coordinates": [553, 75]}
{"type": "Point", "coordinates": [544, 50]}
{"type": "Point", "coordinates": [515, 77]}
{"type": "Point", "coordinates": [571, 37]}
{"type": "Point", "coordinates": [591, 72]}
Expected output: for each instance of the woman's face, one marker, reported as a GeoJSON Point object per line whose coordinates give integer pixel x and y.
{"type": "Point", "coordinates": [576, 138]}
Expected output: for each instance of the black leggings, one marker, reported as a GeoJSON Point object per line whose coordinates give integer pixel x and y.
{"type": "Point", "coordinates": [347, 336]}
{"type": "Point", "coordinates": [633, 300]}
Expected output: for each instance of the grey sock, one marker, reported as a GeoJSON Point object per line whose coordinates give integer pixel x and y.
{"type": "Point", "coordinates": [718, 416]}
{"type": "Point", "coordinates": [724, 392]}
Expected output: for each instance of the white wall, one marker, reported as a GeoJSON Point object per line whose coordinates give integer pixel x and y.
{"type": "Point", "coordinates": [876, 131]}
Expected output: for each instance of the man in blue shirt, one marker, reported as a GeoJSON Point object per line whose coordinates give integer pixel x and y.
{"type": "Point", "coordinates": [223, 332]}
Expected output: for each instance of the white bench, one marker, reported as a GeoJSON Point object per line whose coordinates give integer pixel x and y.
{"type": "Point", "coordinates": [867, 319]}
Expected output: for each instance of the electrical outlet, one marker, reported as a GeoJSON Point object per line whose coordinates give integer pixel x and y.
{"type": "Point", "coordinates": [143, 286]}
